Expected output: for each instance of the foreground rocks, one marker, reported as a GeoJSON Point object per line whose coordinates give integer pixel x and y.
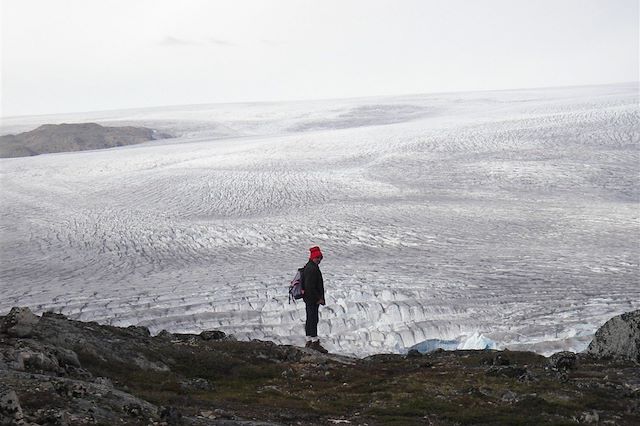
{"type": "Point", "coordinates": [55, 371]}
{"type": "Point", "coordinates": [50, 138]}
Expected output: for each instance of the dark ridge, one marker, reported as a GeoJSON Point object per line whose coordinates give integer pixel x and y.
{"type": "Point", "coordinates": [54, 370]}
{"type": "Point", "coordinates": [51, 138]}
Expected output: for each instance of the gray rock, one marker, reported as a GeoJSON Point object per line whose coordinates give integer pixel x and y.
{"type": "Point", "coordinates": [212, 335]}
{"type": "Point", "coordinates": [103, 381]}
{"type": "Point", "coordinates": [591, 417]}
{"type": "Point", "coordinates": [50, 314]}
{"type": "Point", "coordinates": [71, 388]}
{"type": "Point", "coordinates": [509, 396]}
{"type": "Point", "coordinates": [20, 322]}
{"type": "Point", "coordinates": [38, 361]}
{"type": "Point", "coordinates": [8, 359]}
{"type": "Point", "coordinates": [67, 357]}
{"type": "Point", "coordinates": [563, 361]}
{"type": "Point", "coordinates": [52, 416]}
{"type": "Point", "coordinates": [618, 338]}
{"type": "Point", "coordinates": [164, 334]}
{"type": "Point", "coordinates": [138, 330]}
{"type": "Point", "coordinates": [10, 410]}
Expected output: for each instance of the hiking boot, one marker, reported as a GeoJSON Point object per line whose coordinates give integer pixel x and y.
{"type": "Point", "coordinates": [318, 347]}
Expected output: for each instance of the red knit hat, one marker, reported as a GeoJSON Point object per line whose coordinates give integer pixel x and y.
{"type": "Point", "coordinates": [315, 252]}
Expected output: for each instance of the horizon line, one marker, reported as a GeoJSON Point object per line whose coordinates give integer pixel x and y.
{"type": "Point", "coordinates": [254, 102]}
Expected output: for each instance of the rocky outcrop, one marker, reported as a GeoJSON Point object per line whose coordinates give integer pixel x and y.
{"type": "Point", "coordinates": [56, 371]}
{"type": "Point", "coordinates": [618, 338]}
{"type": "Point", "coordinates": [50, 138]}
{"type": "Point", "coordinates": [563, 361]}
{"type": "Point", "coordinates": [10, 410]}
{"type": "Point", "coordinates": [19, 323]}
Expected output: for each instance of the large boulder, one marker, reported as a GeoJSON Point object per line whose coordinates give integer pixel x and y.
{"type": "Point", "coordinates": [10, 410]}
{"type": "Point", "coordinates": [19, 322]}
{"type": "Point", "coordinates": [563, 360]}
{"type": "Point", "coordinates": [618, 338]}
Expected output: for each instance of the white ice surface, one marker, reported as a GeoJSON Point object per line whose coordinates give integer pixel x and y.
{"type": "Point", "coordinates": [477, 341]}
{"type": "Point", "coordinates": [511, 214]}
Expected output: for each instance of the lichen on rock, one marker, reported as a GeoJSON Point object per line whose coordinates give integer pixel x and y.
{"type": "Point", "coordinates": [618, 338]}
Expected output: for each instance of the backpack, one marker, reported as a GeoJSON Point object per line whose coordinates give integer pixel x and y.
{"type": "Point", "coordinates": [296, 287]}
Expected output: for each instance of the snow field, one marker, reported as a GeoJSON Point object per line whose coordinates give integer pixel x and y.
{"type": "Point", "coordinates": [510, 216]}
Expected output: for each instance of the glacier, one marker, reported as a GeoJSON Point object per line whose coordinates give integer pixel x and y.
{"type": "Point", "coordinates": [510, 216]}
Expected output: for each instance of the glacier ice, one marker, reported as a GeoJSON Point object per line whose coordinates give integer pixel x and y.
{"type": "Point", "coordinates": [431, 345]}
{"type": "Point", "coordinates": [477, 341]}
{"type": "Point", "coordinates": [514, 213]}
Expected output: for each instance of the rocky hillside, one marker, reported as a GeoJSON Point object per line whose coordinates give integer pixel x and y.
{"type": "Point", "coordinates": [51, 138]}
{"type": "Point", "coordinates": [55, 371]}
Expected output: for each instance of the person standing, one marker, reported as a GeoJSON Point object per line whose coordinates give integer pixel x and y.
{"type": "Point", "coordinates": [313, 298]}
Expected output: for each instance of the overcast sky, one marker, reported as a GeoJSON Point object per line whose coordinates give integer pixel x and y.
{"type": "Point", "coordinates": [86, 55]}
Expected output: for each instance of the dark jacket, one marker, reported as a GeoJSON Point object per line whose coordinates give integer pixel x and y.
{"type": "Point", "coordinates": [313, 284]}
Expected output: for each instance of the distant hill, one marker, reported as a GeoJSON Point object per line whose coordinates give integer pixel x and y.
{"type": "Point", "coordinates": [64, 137]}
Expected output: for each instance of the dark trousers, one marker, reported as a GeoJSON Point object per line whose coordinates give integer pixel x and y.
{"type": "Point", "coordinates": [311, 326]}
